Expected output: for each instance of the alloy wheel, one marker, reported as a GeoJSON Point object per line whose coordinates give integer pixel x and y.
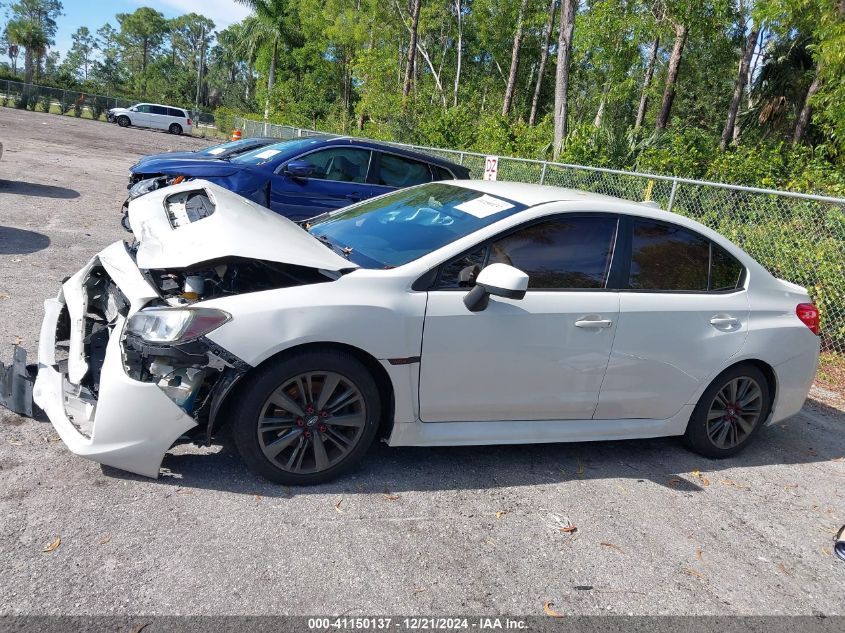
{"type": "Point", "coordinates": [311, 422]}
{"type": "Point", "coordinates": [734, 412]}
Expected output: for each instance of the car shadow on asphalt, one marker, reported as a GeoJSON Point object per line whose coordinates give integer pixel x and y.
{"type": "Point", "coordinates": [20, 241]}
{"type": "Point", "coordinates": [663, 461]}
{"type": "Point", "coordinates": [37, 190]}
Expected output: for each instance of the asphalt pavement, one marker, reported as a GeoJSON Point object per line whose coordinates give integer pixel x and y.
{"type": "Point", "coordinates": [638, 527]}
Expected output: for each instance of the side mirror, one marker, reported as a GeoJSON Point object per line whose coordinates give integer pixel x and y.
{"type": "Point", "coordinates": [499, 280]}
{"type": "Point", "coordinates": [133, 109]}
{"type": "Point", "coordinates": [299, 169]}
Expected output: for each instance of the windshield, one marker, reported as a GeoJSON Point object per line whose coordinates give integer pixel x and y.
{"type": "Point", "coordinates": [400, 227]}
{"type": "Point", "coordinates": [268, 152]}
{"type": "Point", "coordinates": [223, 148]}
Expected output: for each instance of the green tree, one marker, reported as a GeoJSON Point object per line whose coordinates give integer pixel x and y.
{"type": "Point", "coordinates": [80, 56]}
{"type": "Point", "coordinates": [141, 35]}
{"type": "Point", "coordinates": [267, 28]}
{"type": "Point", "coordinates": [108, 69]}
{"type": "Point", "coordinates": [32, 25]}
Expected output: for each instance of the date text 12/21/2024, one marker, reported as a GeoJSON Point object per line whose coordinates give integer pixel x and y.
{"type": "Point", "coordinates": [416, 624]}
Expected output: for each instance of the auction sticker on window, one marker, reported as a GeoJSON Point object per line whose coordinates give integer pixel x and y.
{"type": "Point", "coordinates": [483, 206]}
{"type": "Point", "coordinates": [267, 153]}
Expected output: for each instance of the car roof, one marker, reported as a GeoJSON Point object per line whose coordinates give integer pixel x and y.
{"type": "Point", "coordinates": [162, 105]}
{"type": "Point", "coordinates": [388, 147]}
{"type": "Point", "coordinates": [532, 195]}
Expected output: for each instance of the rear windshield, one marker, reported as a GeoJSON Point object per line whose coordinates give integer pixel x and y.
{"type": "Point", "coordinates": [269, 152]}
{"type": "Point", "coordinates": [400, 227]}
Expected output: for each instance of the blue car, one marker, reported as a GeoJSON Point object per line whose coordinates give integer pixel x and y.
{"type": "Point", "coordinates": [142, 171]}
{"type": "Point", "coordinates": [302, 178]}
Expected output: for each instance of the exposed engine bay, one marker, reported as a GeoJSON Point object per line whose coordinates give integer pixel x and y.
{"type": "Point", "coordinates": [231, 276]}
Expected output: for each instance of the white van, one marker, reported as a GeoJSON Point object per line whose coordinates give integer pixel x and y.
{"type": "Point", "coordinates": [153, 115]}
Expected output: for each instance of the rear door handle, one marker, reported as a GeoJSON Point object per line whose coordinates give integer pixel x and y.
{"type": "Point", "coordinates": [724, 322]}
{"type": "Point", "coordinates": [594, 323]}
{"type": "Point", "coordinates": [354, 197]}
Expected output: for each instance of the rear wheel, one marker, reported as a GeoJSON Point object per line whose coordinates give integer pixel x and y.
{"type": "Point", "coordinates": [308, 418]}
{"type": "Point", "coordinates": [123, 121]}
{"type": "Point", "coordinates": [730, 413]}
{"type": "Point", "coordinates": [175, 128]}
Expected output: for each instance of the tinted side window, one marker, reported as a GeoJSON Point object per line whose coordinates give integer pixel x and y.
{"type": "Point", "coordinates": [175, 112]}
{"type": "Point", "coordinates": [396, 171]}
{"type": "Point", "coordinates": [666, 257]}
{"type": "Point", "coordinates": [564, 253]}
{"type": "Point", "coordinates": [144, 108]}
{"type": "Point", "coordinates": [344, 164]}
{"type": "Point", "coordinates": [441, 173]}
{"type": "Point", "coordinates": [725, 271]}
{"type": "Point", "coordinates": [462, 271]}
{"type": "Point", "coordinates": [158, 110]}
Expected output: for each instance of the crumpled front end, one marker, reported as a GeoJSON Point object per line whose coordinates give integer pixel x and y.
{"type": "Point", "coordinates": [110, 399]}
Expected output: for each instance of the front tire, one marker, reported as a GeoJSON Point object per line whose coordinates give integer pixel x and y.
{"type": "Point", "coordinates": [730, 412]}
{"type": "Point", "coordinates": [307, 418]}
{"type": "Point", "coordinates": [175, 128]}
{"type": "Point", "coordinates": [123, 121]}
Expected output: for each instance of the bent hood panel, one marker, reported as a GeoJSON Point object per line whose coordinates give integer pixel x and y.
{"type": "Point", "coordinates": [191, 167]}
{"type": "Point", "coordinates": [167, 156]}
{"type": "Point", "coordinates": [237, 228]}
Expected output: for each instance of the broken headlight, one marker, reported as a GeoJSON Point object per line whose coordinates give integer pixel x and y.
{"type": "Point", "coordinates": [168, 325]}
{"type": "Point", "coordinates": [151, 184]}
{"type": "Point", "coordinates": [186, 207]}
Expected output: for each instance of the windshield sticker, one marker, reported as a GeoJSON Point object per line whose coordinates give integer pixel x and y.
{"type": "Point", "coordinates": [217, 150]}
{"type": "Point", "coordinates": [267, 153]}
{"type": "Point", "coordinates": [483, 206]}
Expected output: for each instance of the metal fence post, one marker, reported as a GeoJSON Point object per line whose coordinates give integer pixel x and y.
{"type": "Point", "coordinates": [462, 159]}
{"type": "Point", "coordinates": [672, 194]}
{"type": "Point", "coordinates": [543, 173]}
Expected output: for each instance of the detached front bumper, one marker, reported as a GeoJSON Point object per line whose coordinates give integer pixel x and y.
{"type": "Point", "coordinates": [115, 420]}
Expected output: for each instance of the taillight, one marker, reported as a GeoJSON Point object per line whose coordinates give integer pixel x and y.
{"type": "Point", "coordinates": [809, 315]}
{"type": "Point", "coordinates": [190, 122]}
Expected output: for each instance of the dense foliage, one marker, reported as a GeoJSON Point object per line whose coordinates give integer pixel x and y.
{"type": "Point", "coordinates": [747, 91]}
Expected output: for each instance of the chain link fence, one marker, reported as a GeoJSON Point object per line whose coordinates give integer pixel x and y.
{"type": "Point", "coordinates": [60, 101]}
{"type": "Point", "coordinates": [797, 237]}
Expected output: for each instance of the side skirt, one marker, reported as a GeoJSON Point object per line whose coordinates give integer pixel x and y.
{"type": "Point", "coordinates": [534, 431]}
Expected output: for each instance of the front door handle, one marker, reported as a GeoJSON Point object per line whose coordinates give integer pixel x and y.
{"type": "Point", "coordinates": [600, 323]}
{"type": "Point", "coordinates": [724, 322]}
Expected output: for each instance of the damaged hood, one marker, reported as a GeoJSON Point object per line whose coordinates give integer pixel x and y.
{"type": "Point", "coordinates": [237, 227]}
{"type": "Point", "coordinates": [194, 167]}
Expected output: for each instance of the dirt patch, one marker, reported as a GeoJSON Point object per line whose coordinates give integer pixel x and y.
{"type": "Point", "coordinates": [831, 374]}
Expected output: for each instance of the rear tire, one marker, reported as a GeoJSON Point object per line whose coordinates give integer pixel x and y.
{"type": "Point", "coordinates": [307, 418]}
{"type": "Point", "coordinates": [123, 121]}
{"type": "Point", "coordinates": [175, 128]}
{"type": "Point", "coordinates": [730, 412]}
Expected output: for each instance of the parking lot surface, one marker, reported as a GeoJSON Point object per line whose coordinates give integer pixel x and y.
{"type": "Point", "coordinates": [658, 530]}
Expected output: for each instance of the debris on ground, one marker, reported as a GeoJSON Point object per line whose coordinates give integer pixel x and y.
{"type": "Point", "coordinates": [53, 545]}
{"type": "Point", "coordinates": [16, 382]}
{"type": "Point", "coordinates": [547, 609]}
{"type": "Point", "coordinates": [561, 524]}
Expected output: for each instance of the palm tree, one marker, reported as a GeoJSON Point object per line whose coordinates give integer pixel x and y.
{"type": "Point", "coordinates": [781, 84]}
{"type": "Point", "coordinates": [266, 28]}
{"type": "Point", "coordinates": [34, 40]}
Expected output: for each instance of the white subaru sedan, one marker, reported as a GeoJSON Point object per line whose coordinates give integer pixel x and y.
{"type": "Point", "coordinates": [451, 313]}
